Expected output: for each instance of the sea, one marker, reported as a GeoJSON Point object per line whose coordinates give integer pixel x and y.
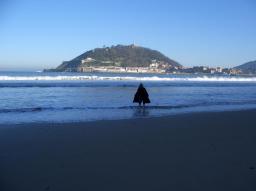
{"type": "Point", "coordinates": [40, 97]}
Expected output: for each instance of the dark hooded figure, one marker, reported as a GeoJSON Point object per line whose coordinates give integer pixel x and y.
{"type": "Point", "coordinates": [141, 96]}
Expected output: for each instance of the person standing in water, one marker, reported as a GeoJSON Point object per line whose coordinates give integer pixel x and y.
{"type": "Point", "coordinates": [141, 96]}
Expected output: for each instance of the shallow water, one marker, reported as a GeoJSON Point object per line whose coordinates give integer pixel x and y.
{"type": "Point", "coordinates": [74, 97]}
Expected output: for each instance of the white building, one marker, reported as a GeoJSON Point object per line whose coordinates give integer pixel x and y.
{"type": "Point", "coordinates": [219, 69]}
{"type": "Point", "coordinates": [87, 60]}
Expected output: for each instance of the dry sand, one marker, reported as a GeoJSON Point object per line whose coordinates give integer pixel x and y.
{"type": "Point", "coordinates": [201, 151]}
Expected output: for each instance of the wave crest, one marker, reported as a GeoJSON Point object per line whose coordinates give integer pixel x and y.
{"type": "Point", "coordinates": [127, 78]}
{"type": "Point", "coordinates": [132, 107]}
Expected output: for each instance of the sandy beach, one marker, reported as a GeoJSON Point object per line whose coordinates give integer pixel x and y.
{"type": "Point", "coordinates": [200, 151]}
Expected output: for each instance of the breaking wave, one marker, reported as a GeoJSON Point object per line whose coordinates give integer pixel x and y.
{"type": "Point", "coordinates": [128, 78]}
{"type": "Point", "coordinates": [152, 107]}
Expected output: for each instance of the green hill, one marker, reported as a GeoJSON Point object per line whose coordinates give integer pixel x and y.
{"type": "Point", "coordinates": [248, 68]}
{"type": "Point", "coordinates": [120, 55]}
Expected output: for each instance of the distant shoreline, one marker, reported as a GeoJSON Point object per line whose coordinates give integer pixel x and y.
{"type": "Point", "coordinates": [166, 73]}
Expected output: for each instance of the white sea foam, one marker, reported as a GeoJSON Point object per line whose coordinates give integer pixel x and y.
{"type": "Point", "coordinates": [127, 78]}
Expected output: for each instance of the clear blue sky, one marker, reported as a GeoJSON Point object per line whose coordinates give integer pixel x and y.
{"type": "Point", "coordinates": [37, 34]}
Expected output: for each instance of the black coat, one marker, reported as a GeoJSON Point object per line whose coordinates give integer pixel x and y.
{"type": "Point", "coordinates": [141, 96]}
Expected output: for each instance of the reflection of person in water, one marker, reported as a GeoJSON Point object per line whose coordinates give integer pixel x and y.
{"type": "Point", "coordinates": [141, 96]}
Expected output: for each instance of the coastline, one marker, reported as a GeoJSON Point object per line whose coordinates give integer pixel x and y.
{"type": "Point", "coordinates": [195, 151]}
{"type": "Point", "coordinates": [159, 118]}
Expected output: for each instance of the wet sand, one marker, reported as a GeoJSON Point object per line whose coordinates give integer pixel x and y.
{"type": "Point", "coordinates": [200, 151]}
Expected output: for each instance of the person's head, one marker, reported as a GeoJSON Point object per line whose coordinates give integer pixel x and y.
{"type": "Point", "coordinates": [141, 85]}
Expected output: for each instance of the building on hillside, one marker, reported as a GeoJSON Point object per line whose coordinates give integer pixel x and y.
{"type": "Point", "coordinates": [87, 60]}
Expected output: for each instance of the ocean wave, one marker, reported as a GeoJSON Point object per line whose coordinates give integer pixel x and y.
{"type": "Point", "coordinates": [148, 107]}
{"type": "Point", "coordinates": [98, 84]}
{"type": "Point", "coordinates": [38, 109]}
{"type": "Point", "coordinates": [128, 78]}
